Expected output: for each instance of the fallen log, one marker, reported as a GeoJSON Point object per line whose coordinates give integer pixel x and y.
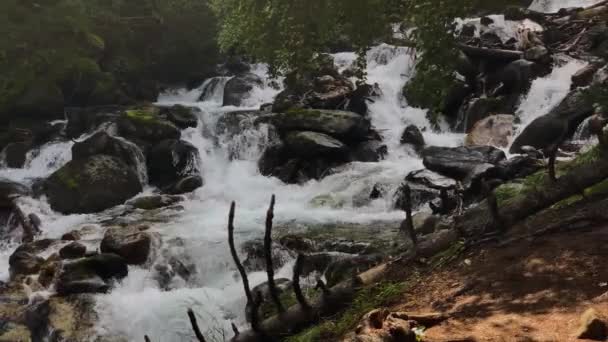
{"type": "Point", "coordinates": [297, 318]}
{"type": "Point", "coordinates": [486, 53]}
{"type": "Point", "coordinates": [477, 219]}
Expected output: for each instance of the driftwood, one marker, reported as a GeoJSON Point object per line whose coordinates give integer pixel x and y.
{"type": "Point", "coordinates": [495, 54]}
{"type": "Point", "coordinates": [235, 255]}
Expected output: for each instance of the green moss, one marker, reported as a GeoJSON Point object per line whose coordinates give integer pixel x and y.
{"type": "Point", "coordinates": [302, 111]}
{"type": "Point", "coordinates": [448, 255]}
{"type": "Point", "coordinates": [367, 299]}
{"type": "Point", "coordinates": [507, 192]}
{"type": "Point", "coordinates": [598, 189]}
{"type": "Point", "coordinates": [66, 177]}
{"type": "Point", "coordinates": [144, 115]}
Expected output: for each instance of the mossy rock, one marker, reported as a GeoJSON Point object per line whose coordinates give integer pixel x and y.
{"type": "Point", "coordinates": [146, 124]}
{"type": "Point", "coordinates": [91, 185]}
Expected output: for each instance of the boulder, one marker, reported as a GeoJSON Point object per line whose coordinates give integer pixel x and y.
{"type": "Point", "coordinates": [420, 195]}
{"type": "Point", "coordinates": [425, 222]}
{"type": "Point", "coordinates": [185, 185]}
{"type": "Point", "coordinates": [25, 259]}
{"type": "Point", "coordinates": [330, 93]}
{"type": "Point", "coordinates": [267, 307]}
{"type": "Point", "coordinates": [181, 116]}
{"type": "Point", "coordinates": [169, 161]}
{"type": "Point", "coordinates": [145, 124]}
{"type": "Point", "coordinates": [15, 154]}
{"type": "Point", "coordinates": [368, 151]}
{"type": "Point", "coordinates": [495, 130]}
{"type": "Point", "coordinates": [102, 143]}
{"type": "Point", "coordinates": [339, 124]}
{"type": "Point", "coordinates": [91, 185]}
{"type": "Point", "coordinates": [556, 126]}
{"type": "Point", "coordinates": [584, 76]}
{"type": "Point", "coordinates": [74, 250]}
{"type": "Point", "coordinates": [465, 163]}
{"type": "Point", "coordinates": [91, 274]}
{"type": "Point", "coordinates": [516, 167]}
{"type": "Point", "coordinates": [514, 78]}
{"type": "Point", "coordinates": [538, 53]}
{"type": "Point", "coordinates": [238, 88]}
{"type": "Point", "coordinates": [343, 267]}
{"type": "Point", "coordinates": [83, 120]}
{"type": "Point", "coordinates": [129, 242]}
{"type": "Point", "coordinates": [308, 144]}
{"type": "Point", "coordinates": [412, 136]}
{"type": "Point", "coordinates": [232, 123]}
{"type": "Point", "coordinates": [592, 326]}
{"type": "Point", "coordinates": [431, 179]}
{"type": "Point", "coordinates": [480, 108]}
{"type": "Point", "coordinates": [255, 259]}
{"type": "Point", "coordinates": [10, 190]}
{"type": "Point", "coordinates": [154, 201]}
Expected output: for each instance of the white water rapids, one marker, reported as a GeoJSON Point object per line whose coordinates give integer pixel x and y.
{"type": "Point", "coordinates": [137, 306]}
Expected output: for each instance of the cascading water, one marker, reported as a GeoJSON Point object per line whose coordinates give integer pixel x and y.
{"type": "Point", "coordinates": [137, 306]}
{"type": "Point", "coordinates": [551, 6]}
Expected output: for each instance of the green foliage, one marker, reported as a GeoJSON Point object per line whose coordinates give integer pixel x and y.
{"type": "Point", "coordinates": [95, 49]}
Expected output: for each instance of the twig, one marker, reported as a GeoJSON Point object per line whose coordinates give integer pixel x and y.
{"type": "Point", "coordinates": [408, 224]}
{"type": "Point", "coordinates": [274, 293]}
{"type": "Point", "coordinates": [297, 271]}
{"type": "Point", "coordinates": [197, 331]}
{"type": "Point", "coordinates": [235, 256]}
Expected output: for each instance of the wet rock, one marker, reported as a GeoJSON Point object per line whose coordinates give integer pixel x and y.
{"type": "Point", "coordinates": [555, 127]}
{"type": "Point", "coordinates": [25, 259]}
{"type": "Point", "coordinates": [538, 53]}
{"type": "Point", "coordinates": [420, 195]}
{"type": "Point", "coordinates": [134, 245]}
{"type": "Point", "coordinates": [465, 163]}
{"type": "Point", "coordinates": [172, 160]}
{"type": "Point", "coordinates": [369, 151]}
{"type": "Point", "coordinates": [412, 136]}
{"type": "Point", "coordinates": [16, 154]}
{"type": "Point", "coordinates": [74, 235]}
{"type": "Point", "coordinates": [49, 270]}
{"type": "Point", "coordinates": [331, 94]}
{"type": "Point", "coordinates": [91, 185]}
{"type": "Point", "coordinates": [24, 263]}
{"type": "Point", "coordinates": [185, 185]}
{"type": "Point", "coordinates": [584, 76]}
{"type": "Point", "coordinates": [515, 78]}
{"type": "Point", "coordinates": [327, 201]}
{"type": "Point", "coordinates": [145, 124]}
{"type": "Point", "coordinates": [297, 243]}
{"type": "Point", "coordinates": [103, 143]}
{"type": "Point", "coordinates": [238, 88]}
{"type": "Point", "coordinates": [91, 275]}
{"type": "Point", "coordinates": [231, 124]}
{"type": "Point", "coordinates": [339, 124]}
{"type": "Point", "coordinates": [495, 130]}
{"type": "Point", "coordinates": [181, 116]}
{"type": "Point", "coordinates": [592, 327]}
{"type": "Point", "coordinates": [309, 144]}
{"type": "Point", "coordinates": [154, 202]}
{"type": "Point", "coordinates": [516, 167]}
{"type": "Point", "coordinates": [10, 190]}
{"type": "Point", "coordinates": [468, 30]}
{"type": "Point", "coordinates": [255, 259]}
{"type": "Point", "coordinates": [431, 179]}
{"type": "Point", "coordinates": [425, 222]}
{"type": "Point", "coordinates": [346, 246]}
{"type": "Point", "coordinates": [74, 250]}
{"type": "Point", "coordinates": [480, 108]}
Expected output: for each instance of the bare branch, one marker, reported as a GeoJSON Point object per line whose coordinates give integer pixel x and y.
{"type": "Point", "coordinates": [235, 330]}
{"type": "Point", "coordinates": [297, 271]}
{"type": "Point", "coordinates": [274, 293]}
{"type": "Point", "coordinates": [408, 224]}
{"type": "Point", "coordinates": [235, 256]}
{"type": "Point", "coordinates": [197, 331]}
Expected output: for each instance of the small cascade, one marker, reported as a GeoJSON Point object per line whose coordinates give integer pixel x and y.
{"type": "Point", "coordinates": [137, 158]}
{"type": "Point", "coordinates": [41, 162]}
{"type": "Point", "coordinates": [213, 89]}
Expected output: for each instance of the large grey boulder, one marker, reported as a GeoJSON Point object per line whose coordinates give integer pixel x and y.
{"type": "Point", "coordinates": [91, 185]}
{"type": "Point", "coordinates": [339, 124]}
{"type": "Point", "coordinates": [310, 144]}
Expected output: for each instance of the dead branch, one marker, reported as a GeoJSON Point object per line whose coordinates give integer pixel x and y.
{"type": "Point", "coordinates": [235, 256]}
{"type": "Point", "coordinates": [297, 271]}
{"type": "Point", "coordinates": [194, 323]}
{"type": "Point", "coordinates": [28, 229]}
{"type": "Point", "coordinates": [407, 226]}
{"type": "Point", "coordinates": [146, 338]}
{"type": "Point", "coordinates": [272, 287]}
{"type": "Point", "coordinates": [235, 329]}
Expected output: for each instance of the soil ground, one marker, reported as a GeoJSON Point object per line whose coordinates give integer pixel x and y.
{"type": "Point", "coordinates": [531, 290]}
